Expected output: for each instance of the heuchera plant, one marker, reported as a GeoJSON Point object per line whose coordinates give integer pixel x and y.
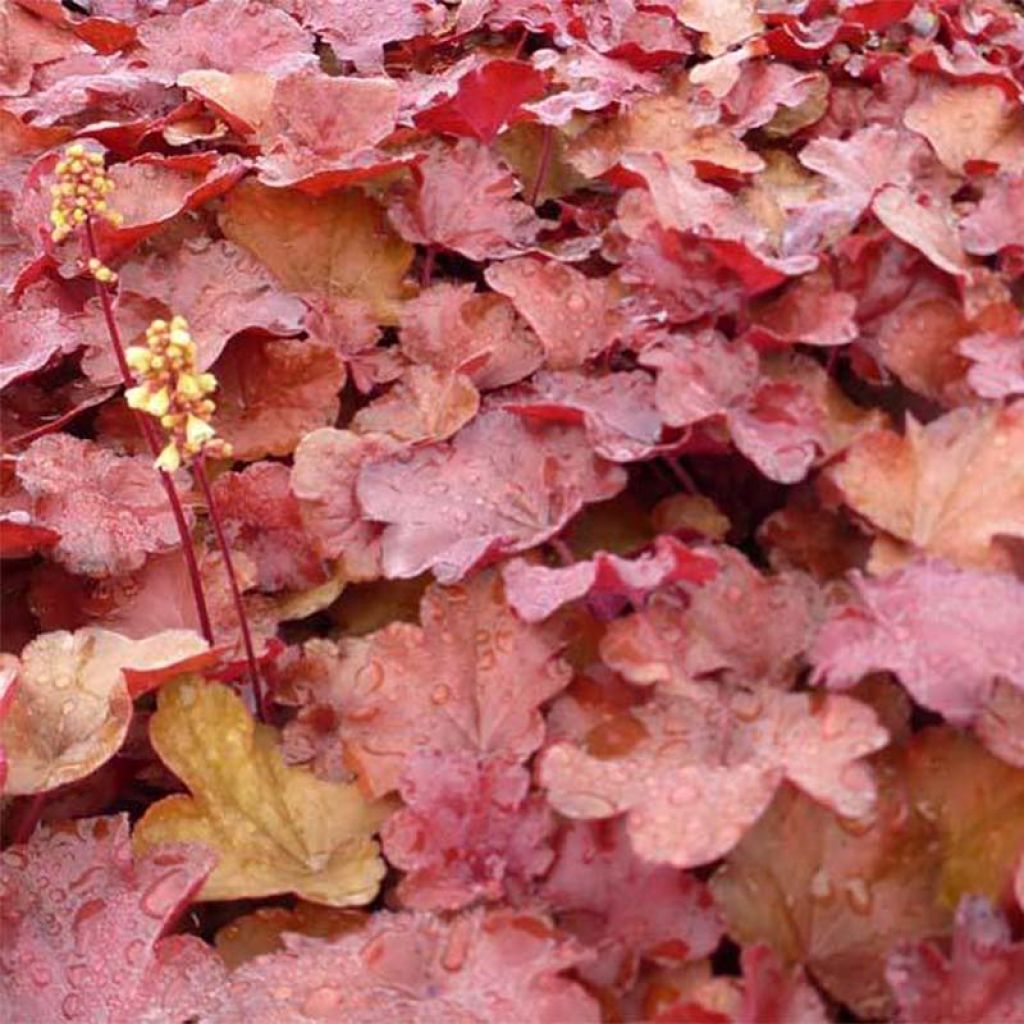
{"type": "Point", "coordinates": [512, 511]}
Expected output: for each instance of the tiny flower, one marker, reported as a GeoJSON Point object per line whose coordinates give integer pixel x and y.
{"type": "Point", "coordinates": [169, 459]}
{"type": "Point", "coordinates": [101, 272]}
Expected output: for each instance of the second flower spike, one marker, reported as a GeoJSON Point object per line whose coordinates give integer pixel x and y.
{"type": "Point", "coordinates": [171, 390]}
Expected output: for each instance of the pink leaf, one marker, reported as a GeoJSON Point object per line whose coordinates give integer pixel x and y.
{"type": "Point", "coordinates": [625, 908]}
{"type": "Point", "coordinates": [947, 633]}
{"type": "Point", "coordinates": [777, 425]}
{"type": "Point", "coordinates": [219, 288]}
{"type": "Point", "coordinates": [617, 410]}
{"type": "Point", "coordinates": [469, 831]}
{"type": "Point", "coordinates": [320, 131]}
{"type": "Point", "coordinates": [81, 920]}
{"type": "Point", "coordinates": [704, 768]}
{"type": "Point", "coordinates": [995, 223]}
{"type": "Point", "coordinates": [224, 35]}
{"type": "Point", "coordinates": [498, 487]}
{"type": "Point", "coordinates": [418, 969]}
{"type": "Point", "coordinates": [261, 516]}
{"type": "Point", "coordinates": [452, 327]}
{"type": "Point", "coordinates": [326, 467]}
{"type": "Point", "coordinates": [357, 30]}
{"type": "Point", "coordinates": [981, 980]}
{"type": "Point", "coordinates": [573, 314]}
{"type": "Point", "coordinates": [110, 511]}
{"type": "Point", "coordinates": [536, 592]}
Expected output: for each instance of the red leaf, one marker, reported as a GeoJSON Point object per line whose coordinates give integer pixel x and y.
{"type": "Point", "coordinates": [465, 200]}
{"type": "Point", "coordinates": [452, 327]}
{"type": "Point", "coordinates": [81, 921]}
{"type": "Point", "coordinates": [488, 99]}
{"type": "Point", "coordinates": [470, 680]}
{"type": "Point", "coordinates": [262, 518]}
{"type": "Point", "coordinates": [496, 488]}
{"type": "Point", "coordinates": [544, 293]}
{"type": "Point", "coordinates": [468, 831]}
{"type": "Point", "coordinates": [20, 539]}
{"type": "Point", "coordinates": [109, 511]}
{"type": "Point", "coordinates": [617, 410]}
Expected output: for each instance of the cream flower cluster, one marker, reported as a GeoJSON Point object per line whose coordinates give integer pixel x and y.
{"type": "Point", "coordinates": [80, 191]}
{"type": "Point", "coordinates": [173, 392]}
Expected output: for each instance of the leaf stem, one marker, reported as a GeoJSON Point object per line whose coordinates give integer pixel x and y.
{"type": "Point", "coordinates": [542, 164]}
{"type": "Point", "coordinates": [149, 433]}
{"type": "Point", "coordinates": [199, 467]}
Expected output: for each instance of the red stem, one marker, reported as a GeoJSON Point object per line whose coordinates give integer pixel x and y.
{"type": "Point", "coordinates": [427, 270]}
{"type": "Point", "coordinates": [199, 466]}
{"type": "Point", "coordinates": [29, 818]}
{"type": "Point", "coordinates": [679, 472]}
{"type": "Point", "coordinates": [542, 164]}
{"type": "Point", "coordinates": [148, 430]}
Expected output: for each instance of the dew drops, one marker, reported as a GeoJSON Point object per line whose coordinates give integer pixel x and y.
{"type": "Point", "coordinates": [576, 302]}
{"type": "Point", "coordinates": [71, 1007]}
{"type": "Point", "coordinates": [441, 694]}
{"type": "Point", "coordinates": [163, 895]}
{"type": "Point", "coordinates": [747, 705]}
{"type": "Point", "coordinates": [40, 974]}
{"type": "Point", "coordinates": [135, 952]}
{"type": "Point", "coordinates": [858, 895]}
{"type": "Point", "coordinates": [77, 974]}
{"type": "Point", "coordinates": [821, 886]}
{"type": "Point", "coordinates": [322, 1003]}
{"type": "Point", "coordinates": [458, 946]}
{"type": "Point", "coordinates": [85, 913]}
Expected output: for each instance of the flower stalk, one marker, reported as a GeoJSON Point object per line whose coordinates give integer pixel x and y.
{"type": "Point", "coordinates": [79, 195]}
{"type": "Point", "coordinates": [172, 391]}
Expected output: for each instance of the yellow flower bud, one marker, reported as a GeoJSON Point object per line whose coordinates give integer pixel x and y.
{"type": "Point", "coordinates": [169, 459]}
{"type": "Point", "coordinates": [188, 387]}
{"type": "Point", "coordinates": [197, 433]}
{"type": "Point", "coordinates": [159, 403]}
{"type": "Point", "coordinates": [137, 397]}
{"type": "Point", "coordinates": [137, 358]}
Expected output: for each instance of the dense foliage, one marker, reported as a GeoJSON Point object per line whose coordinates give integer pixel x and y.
{"type": "Point", "coordinates": [605, 418]}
